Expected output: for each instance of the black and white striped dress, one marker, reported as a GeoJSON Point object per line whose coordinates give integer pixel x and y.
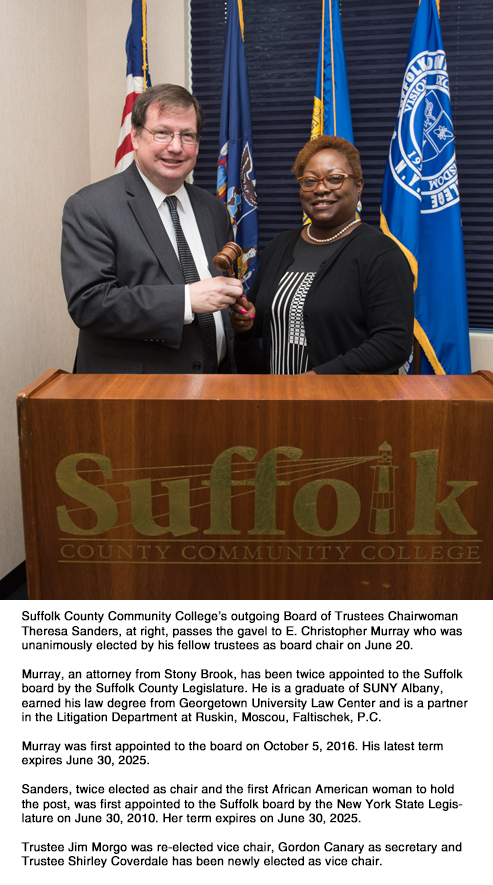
{"type": "Point", "coordinates": [289, 353]}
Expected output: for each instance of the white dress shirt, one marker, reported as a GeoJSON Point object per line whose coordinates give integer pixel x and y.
{"type": "Point", "coordinates": [194, 240]}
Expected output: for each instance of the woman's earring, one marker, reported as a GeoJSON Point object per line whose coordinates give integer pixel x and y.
{"type": "Point", "coordinates": [359, 206]}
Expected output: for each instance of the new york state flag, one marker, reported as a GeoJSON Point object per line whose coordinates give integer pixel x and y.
{"type": "Point", "coordinates": [236, 183]}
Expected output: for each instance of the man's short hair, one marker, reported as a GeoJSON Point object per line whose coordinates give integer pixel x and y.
{"type": "Point", "coordinates": [165, 95]}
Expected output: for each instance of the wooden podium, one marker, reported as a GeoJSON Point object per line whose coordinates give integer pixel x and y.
{"type": "Point", "coordinates": [257, 487]}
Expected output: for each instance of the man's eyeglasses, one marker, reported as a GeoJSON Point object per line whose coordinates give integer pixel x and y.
{"type": "Point", "coordinates": [331, 182]}
{"type": "Point", "coordinates": [163, 136]}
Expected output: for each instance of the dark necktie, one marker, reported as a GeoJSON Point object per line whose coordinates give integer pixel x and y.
{"type": "Point", "coordinates": [206, 321]}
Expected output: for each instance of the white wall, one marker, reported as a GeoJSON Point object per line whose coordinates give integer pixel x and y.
{"type": "Point", "coordinates": [62, 97]}
{"type": "Point", "coordinates": [45, 156]}
{"type": "Point", "coordinates": [481, 350]}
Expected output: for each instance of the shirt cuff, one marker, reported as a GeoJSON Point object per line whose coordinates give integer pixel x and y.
{"type": "Point", "coordinates": [189, 316]}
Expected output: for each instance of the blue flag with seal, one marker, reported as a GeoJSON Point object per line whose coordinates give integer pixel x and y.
{"type": "Point", "coordinates": [420, 201]}
{"type": "Point", "coordinates": [331, 108]}
{"type": "Point", "coordinates": [236, 184]}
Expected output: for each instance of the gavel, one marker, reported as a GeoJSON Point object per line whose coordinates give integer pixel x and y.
{"type": "Point", "coordinates": [225, 259]}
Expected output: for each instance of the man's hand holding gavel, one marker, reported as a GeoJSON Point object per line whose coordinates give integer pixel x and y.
{"type": "Point", "coordinates": [216, 293]}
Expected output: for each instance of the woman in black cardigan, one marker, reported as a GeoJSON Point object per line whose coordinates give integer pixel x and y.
{"type": "Point", "coordinates": [334, 297]}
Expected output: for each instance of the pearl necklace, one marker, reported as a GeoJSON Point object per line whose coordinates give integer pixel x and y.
{"type": "Point", "coordinates": [330, 238]}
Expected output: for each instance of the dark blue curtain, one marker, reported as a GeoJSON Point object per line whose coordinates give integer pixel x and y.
{"type": "Point", "coordinates": [281, 41]}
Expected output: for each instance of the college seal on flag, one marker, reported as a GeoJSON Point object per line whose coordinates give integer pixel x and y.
{"type": "Point", "coordinates": [422, 155]}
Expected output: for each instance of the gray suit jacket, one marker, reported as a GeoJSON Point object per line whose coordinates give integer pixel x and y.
{"type": "Point", "coordinates": [124, 283]}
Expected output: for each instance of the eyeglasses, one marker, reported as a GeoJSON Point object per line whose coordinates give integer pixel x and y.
{"type": "Point", "coordinates": [331, 182]}
{"type": "Point", "coordinates": [165, 137]}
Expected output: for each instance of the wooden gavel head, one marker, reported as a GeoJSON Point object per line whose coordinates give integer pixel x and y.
{"type": "Point", "coordinates": [225, 259]}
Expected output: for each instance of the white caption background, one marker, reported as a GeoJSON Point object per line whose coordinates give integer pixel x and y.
{"type": "Point", "coordinates": [339, 797]}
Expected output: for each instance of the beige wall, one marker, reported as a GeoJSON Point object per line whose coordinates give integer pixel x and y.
{"type": "Point", "coordinates": [481, 350]}
{"type": "Point", "coordinates": [107, 26]}
{"type": "Point", "coordinates": [68, 56]}
{"type": "Point", "coordinates": [45, 156]}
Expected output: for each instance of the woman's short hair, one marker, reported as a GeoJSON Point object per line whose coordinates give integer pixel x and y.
{"type": "Point", "coordinates": [165, 95]}
{"type": "Point", "coordinates": [328, 142]}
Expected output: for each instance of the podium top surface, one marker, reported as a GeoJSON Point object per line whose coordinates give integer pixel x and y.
{"type": "Point", "coordinates": [56, 384]}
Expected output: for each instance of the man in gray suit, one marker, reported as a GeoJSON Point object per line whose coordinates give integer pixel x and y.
{"type": "Point", "coordinates": [142, 302]}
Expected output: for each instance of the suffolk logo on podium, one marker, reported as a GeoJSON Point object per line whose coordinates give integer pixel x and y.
{"type": "Point", "coordinates": [277, 507]}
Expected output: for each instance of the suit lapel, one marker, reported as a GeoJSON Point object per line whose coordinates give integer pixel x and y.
{"type": "Point", "coordinates": [147, 216]}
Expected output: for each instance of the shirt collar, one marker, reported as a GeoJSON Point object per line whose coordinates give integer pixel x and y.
{"type": "Point", "coordinates": [158, 196]}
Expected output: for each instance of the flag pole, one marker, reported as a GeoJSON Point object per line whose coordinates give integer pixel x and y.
{"type": "Point", "coordinates": [322, 121]}
{"type": "Point", "coordinates": [144, 43]}
{"type": "Point", "coordinates": [332, 68]}
{"type": "Point", "coordinates": [331, 113]}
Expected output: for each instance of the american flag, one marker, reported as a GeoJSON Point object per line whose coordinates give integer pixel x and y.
{"type": "Point", "coordinates": [138, 80]}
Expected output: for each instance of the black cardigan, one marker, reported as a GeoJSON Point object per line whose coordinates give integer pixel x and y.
{"type": "Point", "coordinates": [359, 310]}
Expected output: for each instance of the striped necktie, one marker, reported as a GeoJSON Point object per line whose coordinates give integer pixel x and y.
{"type": "Point", "coordinates": [206, 321]}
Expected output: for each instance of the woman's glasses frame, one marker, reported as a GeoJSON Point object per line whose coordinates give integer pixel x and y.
{"type": "Point", "coordinates": [327, 180]}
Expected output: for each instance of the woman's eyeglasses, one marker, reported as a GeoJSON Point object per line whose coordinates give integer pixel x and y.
{"type": "Point", "coordinates": [331, 182]}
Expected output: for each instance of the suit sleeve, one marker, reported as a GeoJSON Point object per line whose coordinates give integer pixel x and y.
{"type": "Point", "coordinates": [98, 300]}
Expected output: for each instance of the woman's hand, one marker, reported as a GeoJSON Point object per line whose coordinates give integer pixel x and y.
{"type": "Point", "coordinates": [242, 314]}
